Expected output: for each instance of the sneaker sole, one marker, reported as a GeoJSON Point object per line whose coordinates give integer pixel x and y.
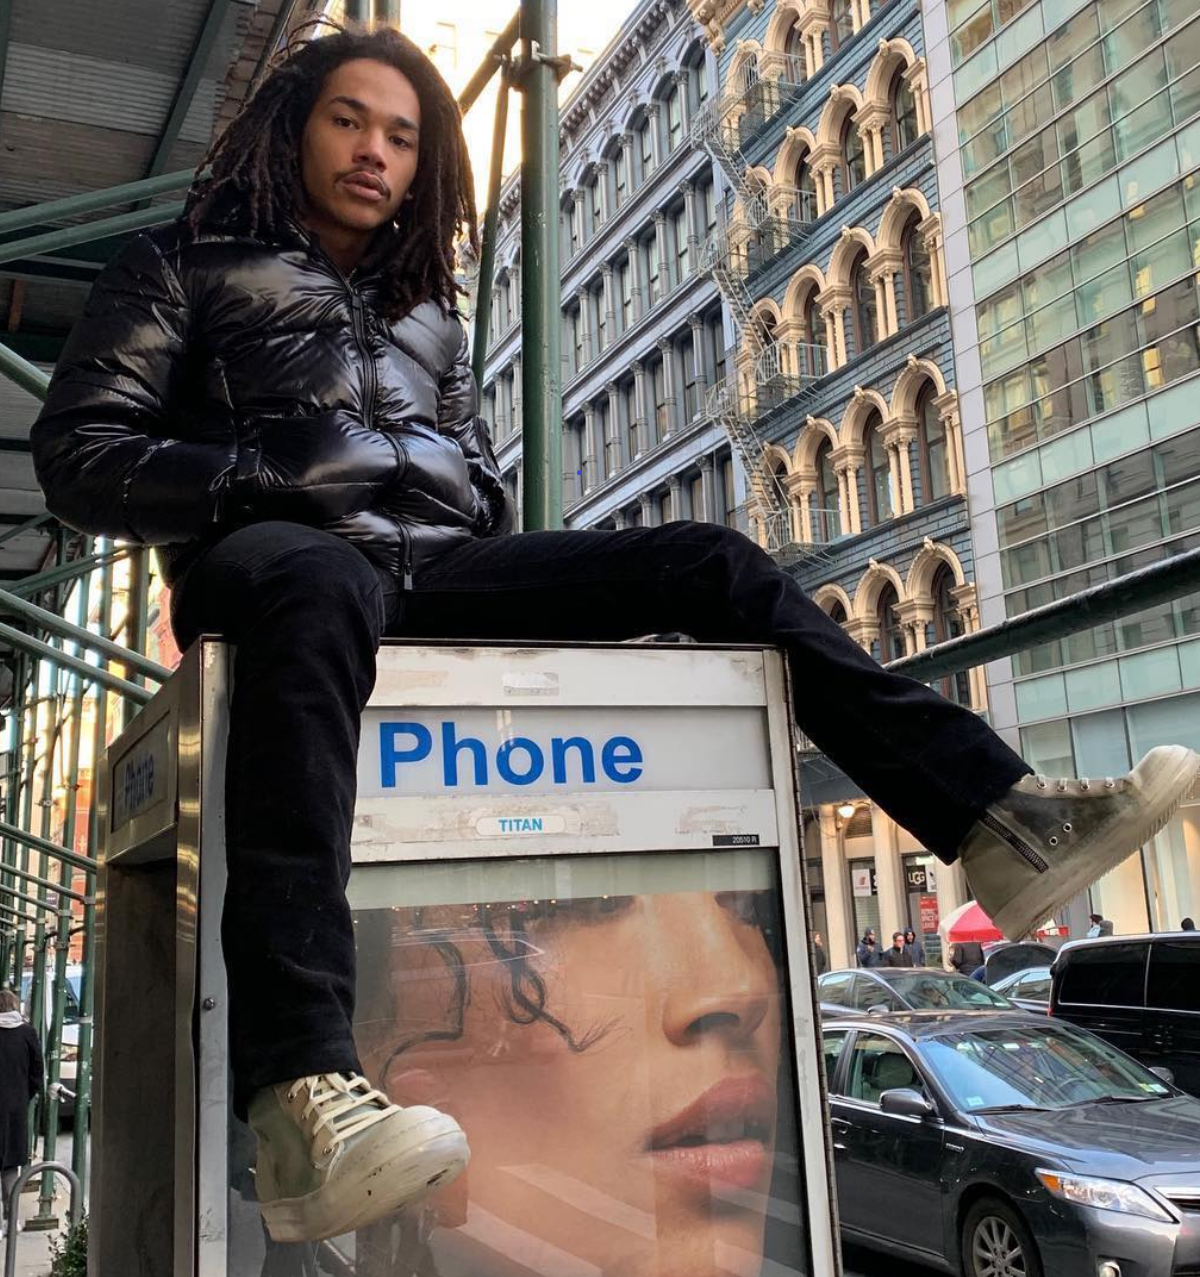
{"type": "Point", "coordinates": [429, 1159]}
{"type": "Point", "coordinates": [1166, 788]}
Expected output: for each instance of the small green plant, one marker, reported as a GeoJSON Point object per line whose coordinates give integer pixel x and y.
{"type": "Point", "coordinates": [68, 1253]}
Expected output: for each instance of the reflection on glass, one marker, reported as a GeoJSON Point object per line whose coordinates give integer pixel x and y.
{"type": "Point", "coordinates": [616, 1057]}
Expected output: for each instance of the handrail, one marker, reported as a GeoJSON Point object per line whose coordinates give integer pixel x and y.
{"type": "Point", "coordinates": [20, 219]}
{"type": "Point", "coordinates": [114, 683]}
{"type": "Point", "coordinates": [84, 638]}
{"type": "Point", "coordinates": [74, 1210]}
{"type": "Point", "coordinates": [50, 848]}
{"type": "Point", "coordinates": [1158, 583]}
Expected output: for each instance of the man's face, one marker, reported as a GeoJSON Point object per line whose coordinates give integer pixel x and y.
{"type": "Point", "coordinates": [359, 149]}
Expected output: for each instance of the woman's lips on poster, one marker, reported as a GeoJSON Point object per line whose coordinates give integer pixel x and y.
{"type": "Point", "coordinates": [722, 1135]}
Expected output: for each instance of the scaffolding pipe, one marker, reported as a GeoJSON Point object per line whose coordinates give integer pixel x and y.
{"type": "Point", "coordinates": [491, 219]}
{"type": "Point", "coordinates": [62, 941]}
{"type": "Point", "coordinates": [89, 232]}
{"type": "Point", "coordinates": [28, 526]}
{"type": "Point", "coordinates": [20, 219]}
{"type": "Point", "coordinates": [31, 841]}
{"type": "Point", "coordinates": [30, 585]}
{"type": "Point", "coordinates": [500, 50]}
{"type": "Point", "coordinates": [55, 624]}
{"type": "Point", "coordinates": [48, 883]}
{"type": "Point", "coordinates": [80, 1149]}
{"type": "Point", "coordinates": [114, 683]}
{"type": "Point", "coordinates": [1133, 592]}
{"type": "Point", "coordinates": [541, 286]}
{"type": "Point", "coordinates": [12, 792]}
{"type": "Point", "coordinates": [28, 376]}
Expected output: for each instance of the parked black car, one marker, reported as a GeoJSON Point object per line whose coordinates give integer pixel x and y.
{"type": "Point", "coordinates": [1141, 993]}
{"type": "Point", "coordinates": [1001, 1144]}
{"type": "Point", "coordinates": [879, 989]}
{"type": "Point", "coordinates": [1029, 990]}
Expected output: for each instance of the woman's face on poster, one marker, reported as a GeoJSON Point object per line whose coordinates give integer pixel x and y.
{"type": "Point", "coordinates": [632, 1124]}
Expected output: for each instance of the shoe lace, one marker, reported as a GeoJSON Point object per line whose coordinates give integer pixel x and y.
{"type": "Point", "coordinates": [345, 1105]}
{"type": "Point", "coordinates": [1063, 783]}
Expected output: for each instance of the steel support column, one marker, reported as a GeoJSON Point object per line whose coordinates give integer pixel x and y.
{"type": "Point", "coordinates": [541, 372]}
{"type": "Point", "coordinates": [491, 219]}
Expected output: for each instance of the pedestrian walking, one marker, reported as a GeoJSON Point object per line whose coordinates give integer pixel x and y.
{"type": "Point", "coordinates": [898, 955]}
{"type": "Point", "coordinates": [1187, 925]}
{"type": "Point", "coordinates": [966, 956]}
{"type": "Point", "coordinates": [820, 957]}
{"type": "Point", "coordinates": [20, 1080]}
{"type": "Point", "coordinates": [915, 947]}
{"type": "Point", "coordinates": [276, 392]}
{"type": "Point", "coordinates": [1101, 926]}
{"type": "Point", "coordinates": [867, 951]}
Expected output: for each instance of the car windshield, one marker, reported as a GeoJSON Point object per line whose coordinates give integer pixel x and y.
{"type": "Point", "coordinates": [1034, 1066]}
{"type": "Point", "coordinates": [925, 992]}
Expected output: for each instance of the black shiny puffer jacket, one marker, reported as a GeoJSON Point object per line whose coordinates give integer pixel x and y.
{"type": "Point", "coordinates": [224, 380]}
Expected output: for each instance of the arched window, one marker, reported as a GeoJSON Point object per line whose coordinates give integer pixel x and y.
{"type": "Point", "coordinates": [796, 66]}
{"type": "Point", "coordinates": [880, 498]}
{"type": "Point", "coordinates": [805, 182]}
{"type": "Point", "coordinates": [841, 25]}
{"type": "Point", "coordinates": [865, 310]}
{"type": "Point", "coordinates": [947, 624]}
{"type": "Point", "coordinates": [904, 113]}
{"type": "Point", "coordinates": [814, 360]}
{"type": "Point", "coordinates": [827, 517]}
{"type": "Point", "coordinates": [854, 159]}
{"type": "Point", "coordinates": [620, 176]}
{"type": "Point", "coordinates": [918, 271]}
{"type": "Point", "coordinates": [932, 447]}
{"type": "Point", "coordinates": [891, 637]}
{"type": "Point", "coordinates": [644, 135]}
{"type": "Point", "coordinates": [837, 613]}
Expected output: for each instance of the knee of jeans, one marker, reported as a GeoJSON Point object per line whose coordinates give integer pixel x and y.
{"type": "Point", "coordinates": [331, 573]}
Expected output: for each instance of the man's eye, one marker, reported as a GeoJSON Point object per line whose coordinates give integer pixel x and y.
{"type": "Point", "coordinates": [341, 119]}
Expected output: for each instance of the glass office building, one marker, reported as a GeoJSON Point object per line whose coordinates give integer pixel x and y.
{"type": "Point", "coordinates": [1067, 137]}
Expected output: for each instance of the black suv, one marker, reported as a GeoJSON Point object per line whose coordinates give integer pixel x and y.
{"type": "Point", "coordinates": [1141, 993]}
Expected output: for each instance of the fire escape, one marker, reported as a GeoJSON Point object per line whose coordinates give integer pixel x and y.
{"type": "Point", "coordinates": [763, 374]}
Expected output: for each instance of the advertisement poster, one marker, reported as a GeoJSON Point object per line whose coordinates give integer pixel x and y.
{"type": "Point", "coordinates": [929, 914]}
{"type": "Point", "coordinates": [610, 1031]}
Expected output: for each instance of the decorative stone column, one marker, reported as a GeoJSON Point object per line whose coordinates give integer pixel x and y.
{"type": "Point", "coordinates": [641, 402]}
{"type": "Point", "coordinates": [590, 453]}
{"type": "Point", "coordinates": [915, 616]}
{"type": "Point", "coordinates": [905, 438]}
{"type": "Point", "coordinates": [675, 488]}
{"type": "Point", "coordinates": [667, 350]}
{"type": "Point", "coordinates": [578, 212]}
{"type": "Point", "coordinates": [797, 497]}
{"type": "Point", "coordinates": [653, 111]}
{"type": "Point", "coordinates": [893, 455]}
{"type": "Point", "coordinates": [601, 171]}
{"type": "Point", "coordinates": [609, 303]}
{"type": "Point", "coordinates": [701, 366]}
{"type": "Point", "coordinates": [640, 303]}
{"type": "Point", "coordinates": [681, 78]}
{"type": "Point", "coordinates": [882, 268]}
{"type": "Point", "coordinates": [966, 600]}
{"type": "Point", "coordinates": [518, 416]}
{"type": "Point", "coordinates": [618, 518]}
{"type": "Point", "coordinates": [693, 234]}
{"type": "Point", "coordinates": [612, 450]}
{"type": "Point", "coordinates": [946, 407]}
{"type": "Point", "coordinates": [847, 461]}
{"type": "Point", "coordinates": [648, 520]}
{"type": "Point", "coordinates": [585, 325]}
{"type": "Point", "coordinates": [917, 79]}
{"type": "Point", "coordinates": [930, 231]}
{"type": "Point", "coordinates": [664, 256]}
{"type": "Point", "coordinates": [707, 491]}
{"type": "Point", "coordinates": [813, 26]}
{"type": "Point", "coordinates": [823, 161]}
{"type": "Point", "coordinates": [834, 302]}
{"type": "Point", "coordinates": [871, 122]}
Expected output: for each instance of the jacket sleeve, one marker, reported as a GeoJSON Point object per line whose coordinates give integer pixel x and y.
{"type": "Point", "coordinates": [458, 418]}
{"type": "Point", "coordinates": [103, 445]}
{"type": "Point", "coordinates": [37, 1074]}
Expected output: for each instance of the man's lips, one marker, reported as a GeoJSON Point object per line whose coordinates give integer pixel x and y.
{"type": "Point", "coordinates": [366, 185]}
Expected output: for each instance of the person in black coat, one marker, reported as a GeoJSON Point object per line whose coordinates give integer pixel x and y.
{"type": "Point", "coordinates": [966, 956]}
{"type": "Point", "coordinates": [20, 1080]}
{"type": "Point", "coordinates": [898, 955]}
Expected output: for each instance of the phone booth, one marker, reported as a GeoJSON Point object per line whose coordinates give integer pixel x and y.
{"type": "Point", "coordinates": [581, 929]}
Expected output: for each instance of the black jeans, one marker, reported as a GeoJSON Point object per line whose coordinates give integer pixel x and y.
{"type": "Point", "coordinates": [307, 611]}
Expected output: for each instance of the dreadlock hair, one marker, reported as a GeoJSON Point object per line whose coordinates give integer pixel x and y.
{"type": "Point", "coordinates": [256, 164]}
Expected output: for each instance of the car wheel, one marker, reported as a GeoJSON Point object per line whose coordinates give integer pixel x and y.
{"type": "Point", "coordinates": [996, 1242]}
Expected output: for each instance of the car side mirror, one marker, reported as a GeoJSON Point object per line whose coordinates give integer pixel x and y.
{"type": "Point", "coordinates": [1167, 1075]}
{"type": "Point", "coordinates": [880, 1008]}
{"type": "Point", "coordinates": [906, 1102]}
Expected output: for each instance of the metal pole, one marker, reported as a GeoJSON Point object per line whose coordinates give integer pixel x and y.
{"type": "Point", "coordinates": [20, 219]}
{"type": "Point", "coordinates": [12, 795]}
{"type": "Point", "coordinates": [500, 50]}
{"type": "Point", "coordinates": [41, 882]}
{"type": "Point", "coordinates": [387, 13]}
{"type": "Point", "coordinates": [89, 232]}
{"type": "Point", "coordinates": [25, 839]}
{"type": "Point", "coordinates": [30, 585]}
{"type": "Point", "coordinates": [491, 219]}
{"type": "Point", "coordinates": [56, 624]}
{"type": "Point", "coordinates": [19, 639]}
{"type": "Point", "coordinates": [62, 942]}
{"type": "Point", "coordinates": [540, 283]}
{"type": "Point", "coordinates": [136, 604]}
{"type": "Point", "coordinates": [28, 376]}
{"type": "Point", "coordinates": [83, 1070]}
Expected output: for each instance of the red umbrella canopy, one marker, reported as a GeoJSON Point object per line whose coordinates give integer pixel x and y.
{"type": "Point", "coordinates": [969, 922]}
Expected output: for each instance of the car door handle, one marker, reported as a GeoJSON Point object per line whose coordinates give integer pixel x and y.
{"type": "Point", "coordinates": [839, 1124]}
